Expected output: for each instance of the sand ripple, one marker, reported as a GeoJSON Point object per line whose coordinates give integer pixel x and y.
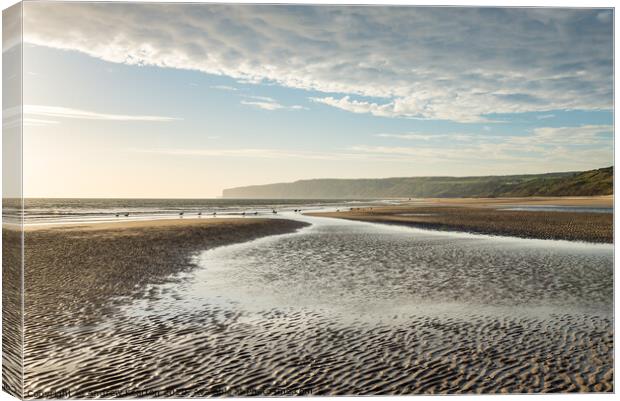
{"type": "Point", "coordinates": [219, 351]}
{"type": "Point", "coordinates": [346, 309]}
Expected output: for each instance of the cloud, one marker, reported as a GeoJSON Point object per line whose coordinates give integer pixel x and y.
{"type": "Point", "coordinates": [261, 98]}
{"type": "Point", "coordinates": [567, 136]}
{"type": "Point", "coordinates": [587, 145]}
{"type": "Point", "coordinates": [65, 112]}
{"type": "Point", "coordinates": [448, 63]}
{"type": "Point", "coordinates": [225, 88]}
{"type": "Point", "coordinates": [542, 146]}
{"type": "Point", "coordinates": [267, 103]}
{"type": "Point", "coordinates": [255, 153]}
{"type": "Point", "coordinates": [37, 122]}
{"type": "Point", "coordinates": [361, 107]}
{"type": "Point", "coordinates": [427, 137]}
{"type": "Point", "coordinates": [263, 105]}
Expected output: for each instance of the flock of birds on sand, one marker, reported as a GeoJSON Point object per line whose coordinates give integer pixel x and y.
{"type": "Point", "coordinates": [214, 214]}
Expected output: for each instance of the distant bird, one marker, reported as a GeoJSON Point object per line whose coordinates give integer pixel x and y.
{"type": "Point", "coordinates": [337, 210]}
{"type": "Point", "coordinates": [181, 214]}
{"type": "Point", "coordinates": [117, 215]}
{"type": "Point", "coordinates": [126, 214]}
{"type": "Point", "coordinates": [255, 213]}
{"type": "Point", "coordinates": [199, 214]}
{"type": "Point", "coordinates": [274, 211]}
{"type": "Point", "coordinates": [214, 214]}
{"type": "Point", "coordinates": [243, 214]}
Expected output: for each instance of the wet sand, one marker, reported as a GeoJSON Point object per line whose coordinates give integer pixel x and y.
{"type": "Point", "coordinates": [76, 275]}
{"type": "Point", "coordinates": [217, 352]}
{"type": "Point", "coordinates": [339, 308]}
{"type": "Point", "coordinates": [11, 311]}
{"type": "Point", "coordinates": [73, 271]}
{"type": "Point", "coordinates": [583, 201]}
{"type": "Point", "coordinates": [484, 216]}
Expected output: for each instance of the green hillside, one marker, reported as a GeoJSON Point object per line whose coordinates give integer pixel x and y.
{"type": "Point", "coordinates": [593, 182]}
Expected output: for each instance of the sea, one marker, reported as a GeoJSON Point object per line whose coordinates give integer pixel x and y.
{"type": "Point", "coordinates": [58, 211]}
{"type": "Point", "coordinates": [91, 210]}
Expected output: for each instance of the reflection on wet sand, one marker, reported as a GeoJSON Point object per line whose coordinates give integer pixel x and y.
{"type": "Point", "coordinates": [344, 307]}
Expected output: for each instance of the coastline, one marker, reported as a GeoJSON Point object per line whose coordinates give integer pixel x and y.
{"type": "Point", "coordinates": [483, 216]}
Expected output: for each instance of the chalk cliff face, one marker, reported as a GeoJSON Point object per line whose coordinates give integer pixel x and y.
{"type": "Point", "coordinates": [592, 182]}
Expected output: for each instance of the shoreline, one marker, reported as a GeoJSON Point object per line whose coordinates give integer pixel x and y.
{"type": "Point", "coordinates": [483, 216]}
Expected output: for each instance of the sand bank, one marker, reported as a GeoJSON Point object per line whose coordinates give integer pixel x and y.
{"type": "Point", "coordinates": [483, 216]}
{"type": "Point", "coordinates": [583, 201]}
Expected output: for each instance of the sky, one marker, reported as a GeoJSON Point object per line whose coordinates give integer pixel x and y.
{"type": "Point", "coordinates": [184, 100]}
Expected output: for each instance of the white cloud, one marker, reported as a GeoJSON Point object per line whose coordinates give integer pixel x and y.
{"type": "Point", "coordinates": [263, 105]}
{"type": "Point", "coordinates": [267, 103]}
{"type": "Point", "coordinates": [361, 107]}
{"type": "Point", "coordinates": [427, 137]}
{"type": "Point", "coordinates": [540, 147]}
{"type": "Point", "coordinates": [65, 112]}
{"type": "Point", "coordinates": [423, 62]}
{"type": "Point", "coordinates": [225, 88]}
{"type": "Point", "coordinates": [37, 122]}
{"type": "Point", "coordinates": [567, 136]}
{"type": "Point", "coordinates": [261, 98]}
{"type": "Point", "coordinates": [255, 153]}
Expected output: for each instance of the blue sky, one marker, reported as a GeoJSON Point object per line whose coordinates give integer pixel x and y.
{"type": "Point", "coordinates": [156, 100]}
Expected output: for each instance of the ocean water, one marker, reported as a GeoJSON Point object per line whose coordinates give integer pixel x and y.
{"type": "Point", "coordinates": [73, 210]}
{"type": "Point", "coordinates": [46, 211]}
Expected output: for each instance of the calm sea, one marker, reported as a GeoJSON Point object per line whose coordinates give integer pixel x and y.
{"type": "Point", "coordinates": [39, 210]}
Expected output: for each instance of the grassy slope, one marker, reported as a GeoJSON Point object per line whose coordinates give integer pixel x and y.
{"type": "Point", "coordinates": [593, 182]}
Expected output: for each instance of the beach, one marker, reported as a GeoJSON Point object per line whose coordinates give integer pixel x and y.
{"type": "Point", "coordinates": [310, 305]}
{"type": "Point", "coordinates": [76, 275]}
{"type": "Point", "coordinates": [12, 344]}
{"type": "Point", "coordinates": [75, 270]}
{"type": "Point", "coordinates": [499, 216]}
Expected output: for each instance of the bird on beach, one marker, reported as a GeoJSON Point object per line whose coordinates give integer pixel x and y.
{"type": "Point", "coordinates": [117, 215]}
{"type": "Point", "coordinates": [126, 214]}
{"type": "Point", "coordinates": [181, 214]}
{"type": "Point", "coordinates": [199, 214]}
{"type": "Point", "coordinates": [243, 214]}
{"type": "Point", "coordinates": [274, 211]}
{"type": "Point", "coordinates": [214, 214]}
{"type": "Point", "coordinates": [255, 213]}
